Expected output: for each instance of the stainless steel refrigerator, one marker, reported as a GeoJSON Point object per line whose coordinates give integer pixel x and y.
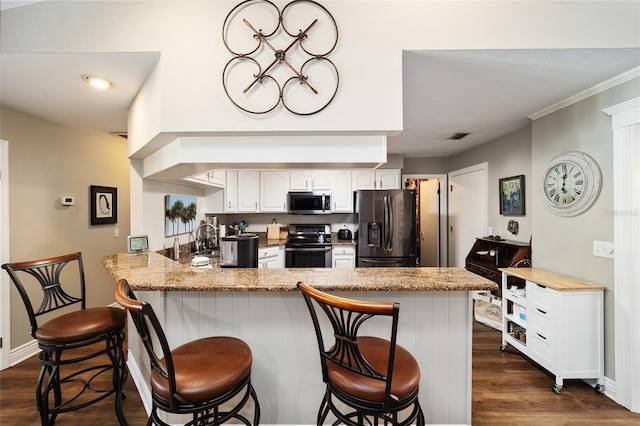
{"type": "Point", "coordinates": [387, 228]}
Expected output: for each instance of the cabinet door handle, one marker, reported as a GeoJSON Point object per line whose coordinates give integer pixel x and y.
{"type": "Point", "coordinates": [541, 336]}
{"type": "Point", "coordinates": [541, 311]}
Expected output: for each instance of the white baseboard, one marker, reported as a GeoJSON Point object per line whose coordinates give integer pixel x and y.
{"type": "Point", "coordinates": [23, 352]}
{"type": "Point", "coordinates": [139, 381]}
{"type": "Point", "coordinates": [610, 388]}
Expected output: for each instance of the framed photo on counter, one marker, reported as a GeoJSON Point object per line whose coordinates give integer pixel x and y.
{"type": "Point", "coordinates": [104, 204]}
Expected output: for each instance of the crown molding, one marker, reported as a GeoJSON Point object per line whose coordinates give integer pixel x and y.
{"type": "Point", "coordinates": [622, 78]}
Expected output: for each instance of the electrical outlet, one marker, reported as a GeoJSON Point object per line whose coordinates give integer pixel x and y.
{"type": "Point", "coordinates": [116, 232]}
{"type": "Point", "coordinates": [603, 249]}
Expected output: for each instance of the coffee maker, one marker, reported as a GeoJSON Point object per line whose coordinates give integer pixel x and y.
{"type": "Point", "coordinates": [239, 251]}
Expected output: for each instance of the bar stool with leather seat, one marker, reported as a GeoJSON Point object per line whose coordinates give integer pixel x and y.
{"type": "Point", "coordinates": [197, 377]}
{"type": "Point", "coordinates": [71, 338]}
{"type": "Point", "coordinates": [374, 377]}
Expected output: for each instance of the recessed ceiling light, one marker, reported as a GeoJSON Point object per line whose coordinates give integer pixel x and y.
{"type": "Point", "coordinates": [98, 82]}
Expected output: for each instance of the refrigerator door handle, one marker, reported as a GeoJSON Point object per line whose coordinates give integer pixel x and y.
{"type": "Point", "coordinates": [388, 224]}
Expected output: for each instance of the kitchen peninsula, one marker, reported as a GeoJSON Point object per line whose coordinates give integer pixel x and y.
{"type": "Point", "coordinates": [264, 308]}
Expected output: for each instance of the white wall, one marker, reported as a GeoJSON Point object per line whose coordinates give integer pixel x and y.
{"type": "Point", "coordinates": [368, 57]}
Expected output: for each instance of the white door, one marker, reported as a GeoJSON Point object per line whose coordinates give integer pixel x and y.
{"type": "Point", "coordinates": [429, 222]}
{"type": "Point", "coordinates": [5, 318]}
{"type": "Point", "coordinates": [467, 191]}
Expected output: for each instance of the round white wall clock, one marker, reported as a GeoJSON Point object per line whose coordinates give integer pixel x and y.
{"type": "Point", "coordinates": [570, 184]}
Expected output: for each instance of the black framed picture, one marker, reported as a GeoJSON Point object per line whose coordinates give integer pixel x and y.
{"type": "Point", "coordinates": [104, 204]}
{"type": "Point", "coordinates": [512, 196]}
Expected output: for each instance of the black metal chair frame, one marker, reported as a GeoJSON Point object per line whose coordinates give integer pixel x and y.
{"type": "Point", "coordinates": [47, 272]}
{"type": "Point", "coordinates": [205, 412]}
{"type": "Point", "coordinates": [346, 317]}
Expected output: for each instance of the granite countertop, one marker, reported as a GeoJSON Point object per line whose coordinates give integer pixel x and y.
{"type": "Point", "coordinates": [153, 272]}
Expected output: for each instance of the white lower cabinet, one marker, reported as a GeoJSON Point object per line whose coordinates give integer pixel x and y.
{"type": "Point", "coordinates": [557, 321]}
{"type": "Point", "coordinates": [343, 256]}
{"type": "Point", "coordinates": [270, 257]}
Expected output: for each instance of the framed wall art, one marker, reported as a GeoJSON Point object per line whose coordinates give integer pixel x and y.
{"type": "Point", "coordinates": [179, 214]}
{"type": "Point", "coordinates": [104, 204]}
{"type": "Point", "coordinates": [512, 196]}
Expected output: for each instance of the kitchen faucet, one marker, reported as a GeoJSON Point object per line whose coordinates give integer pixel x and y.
{"type": "Point", "coordinates": [202, 241]}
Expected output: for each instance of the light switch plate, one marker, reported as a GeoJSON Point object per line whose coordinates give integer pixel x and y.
{"type": "Point", "coordinates": [603, 249]}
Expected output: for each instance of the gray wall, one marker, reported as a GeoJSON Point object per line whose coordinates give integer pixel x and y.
{"type": "Point", "coordinates": [425, 165]}
{"type": "Point", "coordinates": [507, 156]}
{"type": "Point", "coordinates": [46, 161]}
{"type": "Point", "coordinates": [565, 245]}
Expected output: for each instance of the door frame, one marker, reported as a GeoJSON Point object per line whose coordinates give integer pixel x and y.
{"type": "Point", "coordinates": [5, 293]}
{"type": "Point", "coordinates": [444, 212]}
{"type": "Point", "coordinates": [626, 223]}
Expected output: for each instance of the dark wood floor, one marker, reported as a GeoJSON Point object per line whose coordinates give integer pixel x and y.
{"type": "Point", "coordinates": [18, 407]}
{"type": "Point", "coordinates": [508, 389]}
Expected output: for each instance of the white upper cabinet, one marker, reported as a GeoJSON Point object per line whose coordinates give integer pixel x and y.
{"type": "Point", "coordinates": [363, 179]}
{"type": "Point", "coordinates": [388, 179]}
{"type": "Point", "coordinates": [248, 190]}
{"type": "Point", "coordinates": [320, 180]}
{"type": "Point", "coordinates": [341, 192]}
{"type": "Point", "coordinates": [310, 180]}
{"type": "Point", "coordinates": [274, 186]}
{"type": "Point", "coordinates": [376, 179]}
{"type": "Point", "coordinates": [215, 178]}
{"type": "Point", "coordinates": [257, 191]}
{"type": "Point", "coordinates": [231, 192]}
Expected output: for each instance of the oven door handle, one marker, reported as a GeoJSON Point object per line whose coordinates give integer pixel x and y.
{"type": "Point", "coordinates": [308, 249]}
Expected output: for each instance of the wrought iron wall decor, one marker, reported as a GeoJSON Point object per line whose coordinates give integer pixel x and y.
{"type": "Point", "coordinates": [253, 88]}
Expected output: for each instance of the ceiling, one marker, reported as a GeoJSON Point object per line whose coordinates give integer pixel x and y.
{"type": "Point", "coordinates": [51, 86]}
{"type": "Point", "coordinates": [487, 93]}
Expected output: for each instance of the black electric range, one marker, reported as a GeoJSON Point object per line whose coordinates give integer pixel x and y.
{"type": "Point", "coordinates": [308, 246]}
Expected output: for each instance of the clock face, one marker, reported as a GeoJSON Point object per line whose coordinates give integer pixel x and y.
{"type": "Point", "coordinates": [564, 183]}
{"type": "Point", "coordinates": [570, 184]}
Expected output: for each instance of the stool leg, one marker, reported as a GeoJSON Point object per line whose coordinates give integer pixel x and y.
{"type": "Point", "coordinates": [420, 421]}
{"type": "Point", "coordinates": [120, 372]}
{"type": "Point", "coordinates": [40, 402]}
{"type": "Point", "coordinates": [256, 405]}
{"type": "Point", "coordinates": [323, 411]}
{"type": "Point", "coordinates": [51, 372]}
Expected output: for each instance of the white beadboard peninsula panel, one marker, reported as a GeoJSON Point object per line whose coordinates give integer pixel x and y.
{"type": "Point", "coordinates": [434, 326]}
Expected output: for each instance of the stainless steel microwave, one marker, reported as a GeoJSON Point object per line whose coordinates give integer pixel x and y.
{"type": "Point", "coordinates": [309, 202]}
